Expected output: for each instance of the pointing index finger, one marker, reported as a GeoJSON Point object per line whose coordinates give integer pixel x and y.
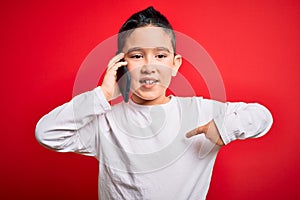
{"type": "Point", "coordinates": [194, 132]}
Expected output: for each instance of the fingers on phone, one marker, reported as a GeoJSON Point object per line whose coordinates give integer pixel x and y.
{"type": "Point", "coordinates": [115, 59]}
{"type": "Point", "coordinates": [113, 69]}
{"type": "Point", "coordinates": [119, 64]}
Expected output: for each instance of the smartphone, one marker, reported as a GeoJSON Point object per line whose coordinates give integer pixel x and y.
{"type": "Point", "coordinates": [123, 80]}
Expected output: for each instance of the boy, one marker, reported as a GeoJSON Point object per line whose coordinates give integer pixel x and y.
{"type": "Point", "coordinates": [155, 146]}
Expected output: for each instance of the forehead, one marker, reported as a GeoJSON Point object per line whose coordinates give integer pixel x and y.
{"type": "Point", "coordinates": [148, 37]}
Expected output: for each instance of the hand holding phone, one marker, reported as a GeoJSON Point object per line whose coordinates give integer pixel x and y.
{"type": "Point", "coordinates": [124, 79]}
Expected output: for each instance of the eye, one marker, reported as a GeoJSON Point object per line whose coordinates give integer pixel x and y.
{"type": "Point", "coordinates": [136, 56]}
{"type": "Point", "coordinates": [160, 56]}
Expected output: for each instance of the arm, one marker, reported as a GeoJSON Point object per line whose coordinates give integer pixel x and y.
{"type": "Point", "coordinates": [233, 121]}
{"type": "Point", "coordinates": [74, 126]}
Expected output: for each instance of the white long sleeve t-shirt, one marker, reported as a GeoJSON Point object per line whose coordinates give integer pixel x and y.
{"type": "Point", "coordinates": [142, 150]}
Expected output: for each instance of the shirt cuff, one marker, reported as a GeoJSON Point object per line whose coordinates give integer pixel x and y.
{"type": "Point", "coordinates": [100, 102]}
{"type": "Point", "coordinates": [228, 127]}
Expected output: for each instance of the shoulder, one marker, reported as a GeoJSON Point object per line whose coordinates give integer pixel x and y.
{"type": "Point", "coordinates": [201, 104]}
{"type": "Point", "coordinates": [189, 103]}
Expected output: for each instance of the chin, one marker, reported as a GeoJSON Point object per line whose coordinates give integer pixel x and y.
{"type": "Point", "coordinates": [145, 96]}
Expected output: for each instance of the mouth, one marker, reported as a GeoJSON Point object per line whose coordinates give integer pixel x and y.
{"type": "Point", "coordinates": [148, 82]}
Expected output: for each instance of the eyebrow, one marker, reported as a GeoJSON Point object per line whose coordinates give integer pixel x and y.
{"type": "Point", "coordinates": [143, 49]}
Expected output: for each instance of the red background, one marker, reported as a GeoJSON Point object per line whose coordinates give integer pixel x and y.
{"type": "Point", "coordinates": [255, 45]}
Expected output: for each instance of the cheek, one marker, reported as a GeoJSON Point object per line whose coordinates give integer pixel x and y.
{"type": "Point", "coordinates": [165, 71]}
{"type": "Point", "coordinates": [166, 76]}
{"type": "Point", "coordinates": [133, 70]}
{"type": "Point", "coordinates": [130, 66]}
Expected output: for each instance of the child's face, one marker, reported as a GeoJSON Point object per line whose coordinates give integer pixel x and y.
{"type": "Point", "coordinates": [151, 62]}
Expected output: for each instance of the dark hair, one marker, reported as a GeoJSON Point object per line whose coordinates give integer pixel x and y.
{"type": "Point", "coordinates": [146, 17]}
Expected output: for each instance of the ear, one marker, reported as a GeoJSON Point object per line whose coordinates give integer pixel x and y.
{"type": "Point", "coordinates": [176, 64]}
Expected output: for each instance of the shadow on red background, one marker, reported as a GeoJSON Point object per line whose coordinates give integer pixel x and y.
{"type": "Point", "coordinates": [255, 45]}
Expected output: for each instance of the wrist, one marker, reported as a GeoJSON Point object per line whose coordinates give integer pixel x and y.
{"type": "Point", "coordinates": [105, 93]}
{"type": "Point", "coordinates": [213, 134]}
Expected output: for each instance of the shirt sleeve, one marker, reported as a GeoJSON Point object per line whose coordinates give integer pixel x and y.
{"type": "Point", "coordinates": [239, 120]}
{"type": "Point", "coordinates": [74, 126]}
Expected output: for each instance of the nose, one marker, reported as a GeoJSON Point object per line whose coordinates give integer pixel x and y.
{"type": "Point", "coordinates": [148, 69]}
{"type": "Point", "coordinates": [149, 65]}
